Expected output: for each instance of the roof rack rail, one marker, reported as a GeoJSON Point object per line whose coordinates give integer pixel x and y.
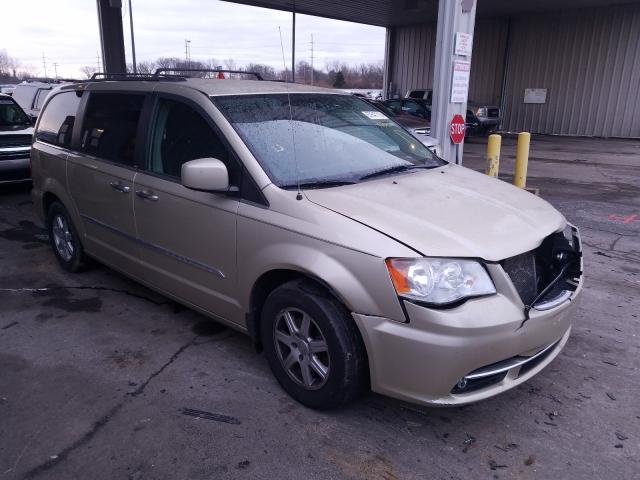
{"type": "Point", "coordinates": [49, 80]}
{"type": "Point", "coordinates": [103, 76]}
{"type": "Point", "coordinates": [161, 71]}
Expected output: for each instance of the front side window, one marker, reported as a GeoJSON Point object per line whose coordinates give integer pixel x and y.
{"type": "Point", "coordinates": [181, 134]}
{"type": "Point", "coordinates": [11, 115]}
{"type": "Point", "coordinates": [110, 126]}
{"type": "Point", "coordinates": [321, 138]}
{"type": "Point", "coordinates": [57, 120]}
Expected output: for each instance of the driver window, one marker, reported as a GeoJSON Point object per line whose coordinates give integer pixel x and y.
{"type": "Point", "coordinates": [181, 134]}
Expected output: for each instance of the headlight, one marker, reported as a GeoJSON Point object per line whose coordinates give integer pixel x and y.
{"type": "Point", "coordinates": [439, 280]}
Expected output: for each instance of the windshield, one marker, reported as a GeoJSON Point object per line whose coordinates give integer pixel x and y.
{"type": "Point", "coordinates": [11, 114]}
{"type": "Point", "coordinates": [323, 139]}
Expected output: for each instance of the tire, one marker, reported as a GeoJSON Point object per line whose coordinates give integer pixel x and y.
{"type": "Point", "coordinates": [297, 355]}
{"type": "Point", "coordinates": [64, 239]}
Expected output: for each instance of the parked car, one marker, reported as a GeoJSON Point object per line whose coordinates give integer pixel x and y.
{"type": "Point", "coordinates": [472, 124]}
{"type": "Point", "coordinates": [416, 107]}
{"type": "Point", "coordinates": [488, 116]}
{"type": "Point", "coordinates": [31, 95]}
{"type": "Point", "coordinates": [7, 89]}
{"type": "Point", "coordinates": [16, 131]}
{"type": "Point", "coordinates": [351, 255]}
{"type": "Point", "coordinates": [424, 94]}
{"type": "Point", "coordinates": [419, 128]}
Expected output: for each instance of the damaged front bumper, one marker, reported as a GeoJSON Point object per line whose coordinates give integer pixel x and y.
{"type": "Point", "coordinates": [460, 355]}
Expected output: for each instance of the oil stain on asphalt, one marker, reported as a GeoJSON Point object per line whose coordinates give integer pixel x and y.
{"type": "Point", "coordinates": [75, 305]}
{"type": "Point", "coordinates": [208, 328]}
{"type": "Point", "coordinates": [27, 232]}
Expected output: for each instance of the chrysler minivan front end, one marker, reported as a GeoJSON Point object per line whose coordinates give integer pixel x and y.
{"type": "Point", "coordinates": [500, 324]}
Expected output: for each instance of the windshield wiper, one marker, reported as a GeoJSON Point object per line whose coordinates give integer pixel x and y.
{"type": "Point", "coordinates": [319, 184]}
{"type": "Point", "coordinates": [390, 170]}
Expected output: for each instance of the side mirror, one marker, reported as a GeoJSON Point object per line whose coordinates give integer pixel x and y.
{"type": "Point", "coordinates": [206, 174]}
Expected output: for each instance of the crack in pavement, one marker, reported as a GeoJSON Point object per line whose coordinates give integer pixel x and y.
{"type": "Point", "coordinates": [104, 420]}
{"type": "Point", "coordinates": [173, 358]}
{"type": "Point", "coordinates": [56, 459]}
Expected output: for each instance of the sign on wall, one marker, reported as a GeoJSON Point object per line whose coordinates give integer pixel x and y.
{"type": "Point", "coordinates": [535, 95]}
{"type": "Point", "coordinates": [460, 81]}
{"type": "Point", "coordinates": [463, 44]}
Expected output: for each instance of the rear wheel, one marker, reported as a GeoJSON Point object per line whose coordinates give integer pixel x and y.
{"type": "Point", "coordinates": [64, 239]}
{"type": "Point", "coordinates": [313, 346]}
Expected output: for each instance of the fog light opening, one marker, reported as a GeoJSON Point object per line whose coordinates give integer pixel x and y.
{"type": "Point", "coordinates": [462, 384]}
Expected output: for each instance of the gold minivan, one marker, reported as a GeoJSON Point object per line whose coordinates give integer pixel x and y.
{"type": "Point", "coordinates": [352, 255]}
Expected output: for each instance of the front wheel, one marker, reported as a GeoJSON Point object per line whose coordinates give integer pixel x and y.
{"type": "Point", "coordinates": [313, 346]}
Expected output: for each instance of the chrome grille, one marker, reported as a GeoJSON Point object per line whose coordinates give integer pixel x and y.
{"type": "Point", "coordinates": [15, 140]}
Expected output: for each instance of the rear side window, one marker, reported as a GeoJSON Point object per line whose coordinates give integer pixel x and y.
{"type": "Point", "coordinates": [41, 96]}
{"type": "Point", "coordinates": [416, 94]}
{"type": "Point", "coordinates": [56, 122]}
{"type": "Point", "coordinates": [110, 126]}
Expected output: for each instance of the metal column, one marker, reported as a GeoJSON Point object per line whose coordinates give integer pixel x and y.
{"type": "Point", "coordinates": [453, 16]}
{"type": "Point", "coordinates": [389, 60]}
{"type": "Point", "coordinates": [111, 35]}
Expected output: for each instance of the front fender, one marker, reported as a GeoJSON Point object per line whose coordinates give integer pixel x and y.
{"type": "Point", "coordinates": [360, 280]}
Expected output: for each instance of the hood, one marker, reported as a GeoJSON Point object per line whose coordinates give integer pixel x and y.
{"type": "Point", "coordinates": [449, 211]}
{"type": "Point", "coordinates": [16, 131]}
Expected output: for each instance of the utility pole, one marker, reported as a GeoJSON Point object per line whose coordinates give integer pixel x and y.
{"type": "Point", "coordinates": [98, 62]}
{"type": "Point", "coordinates": [293, 47]}
{"type": "Point", "coordinates": [187, 52]}
{"type": "Point", "coordinates": [55, 68]}
{"type": "Point", "coordinates": [133, 43]}
{"type": "Point", "coordinates": [44, 64]}
{"type": "Point", "coordinates": [312, 59]}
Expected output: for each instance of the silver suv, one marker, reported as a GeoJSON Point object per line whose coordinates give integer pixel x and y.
{"type": "Point", "coordinates": [353, 256]}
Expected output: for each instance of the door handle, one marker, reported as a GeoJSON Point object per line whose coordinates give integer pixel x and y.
{"type": "Point", "coordinates": [147, 195]}
{"type": "Point", "coordinates": [120, 187]}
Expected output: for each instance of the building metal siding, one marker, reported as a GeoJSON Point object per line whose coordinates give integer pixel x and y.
{"type": "Point", "coordinates": [413, 56]}
{"type": "Point", "coordinates": [487, 66]}
{"type": "Point", "coordinates": [587, 59]}
{"type": "Point", "coordinates": [589, 62]}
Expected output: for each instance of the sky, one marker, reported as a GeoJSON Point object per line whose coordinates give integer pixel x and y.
{"type": "Point", "coordinates": [66, 32]}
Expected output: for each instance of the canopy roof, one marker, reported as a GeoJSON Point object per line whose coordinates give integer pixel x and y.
{"type": "Point", "coordinates": [390, 13]}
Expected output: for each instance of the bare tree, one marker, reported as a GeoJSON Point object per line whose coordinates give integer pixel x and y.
{"type": "Point", "coordinates": [267, 72]}
{"type": "Point", "coordinates": [8, 64]}
{"type": "Point", "coordinates": [88, 70]}
{"type": "Point", "coordinates": [146, 67]}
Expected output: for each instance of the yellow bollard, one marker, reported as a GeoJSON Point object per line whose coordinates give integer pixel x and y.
{"type": "Point", "coordinates": [493, 155]}
{"type": "Point", "coordinates": [522, 160]}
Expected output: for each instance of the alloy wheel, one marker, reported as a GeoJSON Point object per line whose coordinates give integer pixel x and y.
{"type": "Point", "coordinates": [301, 348]}
{"type": "Point", "coordinates": [62, 237]}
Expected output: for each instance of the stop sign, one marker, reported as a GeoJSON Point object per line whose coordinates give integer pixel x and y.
{"type": "Point", "coordinates": [457, 129]}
